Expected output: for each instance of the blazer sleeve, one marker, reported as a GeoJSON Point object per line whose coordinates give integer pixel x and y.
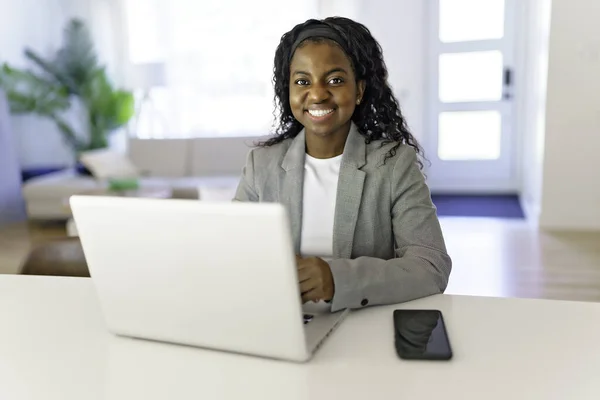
{"type": "Point", "coordinates": [246, 190]}
{"type": "Point", "coordinates": [421, 267]}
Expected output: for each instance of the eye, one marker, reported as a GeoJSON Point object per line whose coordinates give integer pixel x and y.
{"type": "Point", "coordinates": [336, 81]}
{"type": "Point", "coordinates": [301, 82]}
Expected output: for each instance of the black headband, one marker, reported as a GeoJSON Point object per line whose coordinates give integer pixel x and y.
{"type": "Point", "coordinates": [322, 31]}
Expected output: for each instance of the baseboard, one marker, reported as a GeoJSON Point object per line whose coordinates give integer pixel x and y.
{"type": "Point", "coordinates": [577, 223]}
{"type": "Point", "coordinates": [530, 209]}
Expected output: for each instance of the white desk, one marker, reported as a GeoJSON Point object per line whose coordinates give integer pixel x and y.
{"type": "Point", "coordinates": [53, 346]}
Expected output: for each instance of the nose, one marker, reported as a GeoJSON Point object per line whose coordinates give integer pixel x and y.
{"type": "Point", "coordinates": [318, 93]}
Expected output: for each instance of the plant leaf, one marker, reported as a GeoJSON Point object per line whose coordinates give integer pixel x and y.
{"type": "Point", "coordinates": [29, 92]}
{"type": "Point", "coordinates": [53, 71]}
{"type": "Point", "coordinates": [124, 107]}
{"type": "Point", "coordinates": [77, 57]}
{"type": "Point", "coordinates": [108, 107]}
{"type": "Point", "coordinates": [74, 71]}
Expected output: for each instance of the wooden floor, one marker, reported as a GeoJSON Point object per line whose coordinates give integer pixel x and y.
{"type": "Point", "coordinates": [17, 240]}
{"type": "Point", "coordinates": [509, 258]}
{"type": "Point", "coordinates": [492, 257]}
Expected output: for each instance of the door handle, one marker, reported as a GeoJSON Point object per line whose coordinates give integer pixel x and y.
{"type": "Point", "coordinates": [507, 82]}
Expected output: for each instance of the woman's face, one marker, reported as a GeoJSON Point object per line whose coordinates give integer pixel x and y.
{"type": "Point", "coordinates": [323, 89]}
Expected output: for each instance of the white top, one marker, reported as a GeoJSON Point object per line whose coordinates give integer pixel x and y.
{"type": "Point", "coordinates": [54, 346]}
{"type": "Point", "coordinates": [318, 205]}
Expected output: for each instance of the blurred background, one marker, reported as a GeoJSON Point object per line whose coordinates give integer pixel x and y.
{"type": "Point", "coordinates": [502, 94]}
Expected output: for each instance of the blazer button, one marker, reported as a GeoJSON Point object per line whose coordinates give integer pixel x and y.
{"type": "Point", "coordinates": [364, 302]}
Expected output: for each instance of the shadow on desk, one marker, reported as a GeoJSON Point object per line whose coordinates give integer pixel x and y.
{"type": "Point", "coordinates": [57, 257]}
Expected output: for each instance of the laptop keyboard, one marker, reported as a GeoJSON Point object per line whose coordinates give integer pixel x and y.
{"type": "Point", "coordinates": [308, 318]}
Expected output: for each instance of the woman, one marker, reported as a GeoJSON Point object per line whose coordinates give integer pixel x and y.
{"type": "Point", "coordinates": [345, 165]}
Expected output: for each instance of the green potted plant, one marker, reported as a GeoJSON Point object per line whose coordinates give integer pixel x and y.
{"type": "Point", "coordinates": [72, 75]}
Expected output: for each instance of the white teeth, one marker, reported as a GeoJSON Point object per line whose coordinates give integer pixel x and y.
{"type": "Point", "coordinates": [319, 113]}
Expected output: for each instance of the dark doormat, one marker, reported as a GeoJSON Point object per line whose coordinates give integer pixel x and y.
{"type": "Point", "coordinates": [497, 206]}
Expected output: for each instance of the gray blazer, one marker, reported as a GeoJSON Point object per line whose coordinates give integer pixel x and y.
{"type": "Point", "coordinates": [387, 242]}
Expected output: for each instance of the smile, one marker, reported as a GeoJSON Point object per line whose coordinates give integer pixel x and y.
{"type": "Point", "coordinates": [320, 113]}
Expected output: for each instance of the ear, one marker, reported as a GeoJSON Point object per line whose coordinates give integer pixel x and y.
{"type": "Point", "coordinates": [360, 90]}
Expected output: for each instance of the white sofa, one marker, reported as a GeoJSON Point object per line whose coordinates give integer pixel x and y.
{"type": "Point", "coordinates": [200, 168]}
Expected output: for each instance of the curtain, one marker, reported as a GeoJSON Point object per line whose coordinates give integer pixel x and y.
{"type": "Point", "coordinates": [203, 68]}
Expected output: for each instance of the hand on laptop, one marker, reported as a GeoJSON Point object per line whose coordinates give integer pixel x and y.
{"type": "Point", "coordinates": [316, 280]}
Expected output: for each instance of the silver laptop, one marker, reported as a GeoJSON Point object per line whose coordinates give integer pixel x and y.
{"type": "Point", "coordinates": [213, 275]}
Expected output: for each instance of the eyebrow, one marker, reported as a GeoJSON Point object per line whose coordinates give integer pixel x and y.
{"type": "Point", "coordinates": [339, 69]}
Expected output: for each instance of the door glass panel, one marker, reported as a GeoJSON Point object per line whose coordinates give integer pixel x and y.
{"type": "Point", "coordinates": [467, 20]}
{"type": "Point", "coordinates": [472, 76]}
{"type": "Point", "coordinates": [469, 135]}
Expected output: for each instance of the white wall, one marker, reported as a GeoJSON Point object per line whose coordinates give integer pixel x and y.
{"type": "Point", "coordinates": [399, 26]}
{"type": "Point", "coordinates": [533, 31]}
{"type": "Point", "coordinates": [12, 207]}
{"type": "Point", "coordinates": [571, 173]}
{"type": "Point", "coordinates": [339, 8]}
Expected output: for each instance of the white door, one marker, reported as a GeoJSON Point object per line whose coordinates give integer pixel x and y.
{"type": "Point", "coordinates": [470, 142]}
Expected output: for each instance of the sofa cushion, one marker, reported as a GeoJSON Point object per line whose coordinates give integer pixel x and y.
{"type": "Point", "coordinates": [58, 185]}
{"type": "Point", "coordinates": [160, 157]}
{"type": "Point", "coordinates": [47, 209]}
{"type": "Point", "coordinates": [219, 156]}
{"type": "Point", "coordinates": [108, 163]}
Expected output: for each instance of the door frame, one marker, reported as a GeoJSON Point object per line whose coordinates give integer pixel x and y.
{"type": "Point", "coordinates": [506, 182]}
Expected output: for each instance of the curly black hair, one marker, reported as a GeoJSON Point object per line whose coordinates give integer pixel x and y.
{"type": "Point", "coordinates": [378, 116]}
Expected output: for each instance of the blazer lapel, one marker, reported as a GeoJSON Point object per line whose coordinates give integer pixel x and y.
{"type": "Point", "coordinates": [349, 193]}
{"type": "Point", "coordinates": [291, 184]}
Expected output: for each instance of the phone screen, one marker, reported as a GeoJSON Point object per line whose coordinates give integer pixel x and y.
{"type": "Point", "coordinates": [421, 335]}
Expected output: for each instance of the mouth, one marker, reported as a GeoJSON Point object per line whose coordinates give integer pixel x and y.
{"type": "Point", "coordinates": [320, 115]}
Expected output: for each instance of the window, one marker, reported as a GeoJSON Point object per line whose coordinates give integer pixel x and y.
{"type": "Point", "coordinates": [205, 68]}
{"type": "Point", "coordinates": [467, 20]}
{"type": "Point", "coordinates": [471, 76]}
{"type": "Point", "coordinates": [482, 130]}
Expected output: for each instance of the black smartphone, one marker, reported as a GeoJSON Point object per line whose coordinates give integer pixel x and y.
{"type": "Point", "coordinates": [421, 335]}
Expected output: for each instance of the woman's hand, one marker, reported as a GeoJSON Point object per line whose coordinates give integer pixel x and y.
{"type": "Point", "coordinates": [316, 280]}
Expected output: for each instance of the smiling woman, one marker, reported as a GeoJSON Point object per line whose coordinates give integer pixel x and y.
{"type": "Point", "coordinates": [323, 95]}
{"type": "Point", "coordinates": [344, 163]}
